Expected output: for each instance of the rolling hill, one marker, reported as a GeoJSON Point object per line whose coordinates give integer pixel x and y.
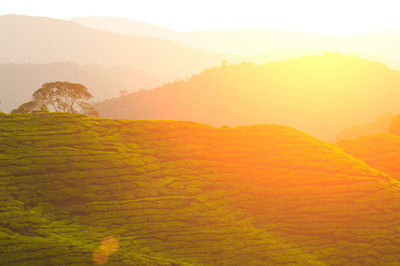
{"type": "Point", "coordinates": [381, 151]}
{"type": "Point", "coordinates": [19, 81]}
{"type": "Point", "coordinates": [318, 94]}
{"type": "Point", "coordinates": [81, 190]}
{"type": "Point", "coordinates": [27, 39]}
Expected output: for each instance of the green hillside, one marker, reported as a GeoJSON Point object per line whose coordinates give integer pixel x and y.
{"type": "Point", "coordinates": [181, 193]}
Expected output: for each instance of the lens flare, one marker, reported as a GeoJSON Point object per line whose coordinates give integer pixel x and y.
{"type": "Point", "coordinates": [109, 245]}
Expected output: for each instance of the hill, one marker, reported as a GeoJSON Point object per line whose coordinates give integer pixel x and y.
{"type": "Point", "coordinates": [27, 39]}
{"type": "Point", "coordinates": [381, 45]}
{"type": "Point", "coordinates": [19, 81]}
{"type": "Point", "coordinates": [381, 151]}
{"type": "Point", "coordinates": [318, 94]}
{"type": "Point", "coordinates": [126, 26]}
{"type": "Point", "coordinates": [76, 189]}
{"type": "Point", "coordinates": [379, 125]}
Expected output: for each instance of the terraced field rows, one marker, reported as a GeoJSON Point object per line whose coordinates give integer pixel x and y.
{"type": "Point", "coordinates": [180, 193]}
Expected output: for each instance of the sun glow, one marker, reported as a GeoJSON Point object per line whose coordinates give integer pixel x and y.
{"type": "Point", "coordinates": [324, 17]}
{"type": "Point", "coordinates": [214, 132]}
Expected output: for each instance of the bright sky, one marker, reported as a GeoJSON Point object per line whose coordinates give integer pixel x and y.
{"type": "Point", "coordinates": [320, 16]}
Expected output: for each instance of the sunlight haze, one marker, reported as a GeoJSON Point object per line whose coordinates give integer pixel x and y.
{"type": "Point", "coordinates": [324, 17]}
{"type": "Point", "coordinates": [213, 132]}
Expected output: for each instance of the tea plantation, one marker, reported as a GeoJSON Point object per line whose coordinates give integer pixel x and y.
{"type": "Point", "coordinates": [76, 190]}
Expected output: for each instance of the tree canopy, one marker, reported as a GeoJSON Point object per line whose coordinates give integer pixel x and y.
{"type": "Point", "coordinates": [60, 97]}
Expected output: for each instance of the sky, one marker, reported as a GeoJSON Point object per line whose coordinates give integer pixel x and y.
{"type": "Point", "coordinates": [318, 16]}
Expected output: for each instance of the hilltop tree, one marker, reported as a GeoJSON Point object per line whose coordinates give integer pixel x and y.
{"type": "Point", "coordinates": [61, 97]}
{"type": "Point", "coordinates": [394, 127]}
{"type": "Point", "coordinates": [88, 109]}
{"type": "Point", "coordinates": [30, 107]}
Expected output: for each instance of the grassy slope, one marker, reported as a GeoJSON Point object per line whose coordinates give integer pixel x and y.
{"type": "Point", "coordinates": [185, 193]}
{"type": "Point", "coordinates": [380, 150]}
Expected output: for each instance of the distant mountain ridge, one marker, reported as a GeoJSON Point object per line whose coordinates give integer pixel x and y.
{"type": "Point", "coordinates": [381, 45]}
{"type": "Point", "coordinates": [27, 39]}
{"type": "Point", "coordinates": [318, 94]}
{"type": "Point", "coordinates": [126, 26]}
{"type": "Point", "coordinates": [379, 125]}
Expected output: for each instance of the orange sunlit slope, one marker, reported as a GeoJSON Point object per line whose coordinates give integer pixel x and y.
{"type": "Point", "coordinates": [381, 151]}
{"type": "Point", "coordinates": [318, 94]}
{"type": "Point", "coordinates": [167, 192]}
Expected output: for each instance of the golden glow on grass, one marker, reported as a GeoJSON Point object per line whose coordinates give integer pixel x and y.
{"type": "Point", "coordinates": [180, 193]}
{"type": "Point", "coordinates": [109, 245]}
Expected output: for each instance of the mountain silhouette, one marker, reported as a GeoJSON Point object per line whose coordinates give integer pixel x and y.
{"type": "Point", "coordinates": [318, 94]}
{"type": "Point", "coordinates": [126, 26]}
{"type": "Point", "coordinates": [379, 125]}
{"type": "Point", "coordinates": [27, 39]}
{"type": "Point", "coordinates": [380, 45]}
